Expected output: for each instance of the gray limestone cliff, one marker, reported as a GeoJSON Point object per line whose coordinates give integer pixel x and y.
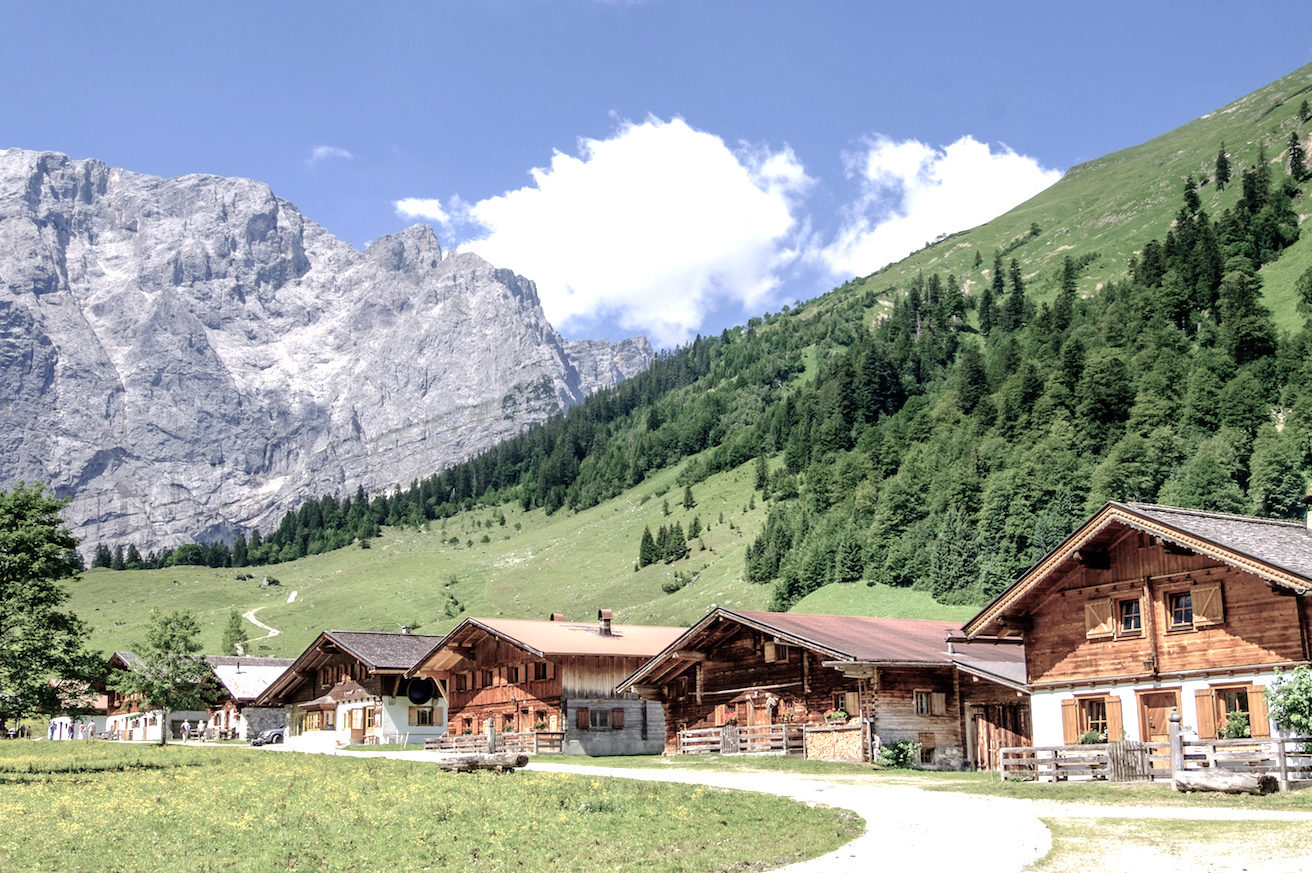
{"type": "Point", "coordinates": [191, 357]}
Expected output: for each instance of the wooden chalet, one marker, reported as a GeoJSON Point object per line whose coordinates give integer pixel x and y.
{"type": "Point", "coordinates": [555, 675]}
{"type": "Point", "coordinates": [241, 680]}
{"type": "Point", "coordinates": [775, 677]}
{"type": "Point", "coordinates": [351, 687]}
{"type": "Point", "coordinates": [1145, 610]}
{"type": "Point", "coordinates": [124, 718]}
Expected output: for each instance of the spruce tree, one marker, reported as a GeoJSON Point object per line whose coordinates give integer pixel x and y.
{"type": "Point", "coordinates": [233, 635]}
{"type": "Point", "coordinates": [1297, 157]}
{"type": "Point", "coordinates": [647, 551]}
{"type": "Point", "coordinates": [688, 502]}
{"type": "Point", "coordinates": [1222, 171]}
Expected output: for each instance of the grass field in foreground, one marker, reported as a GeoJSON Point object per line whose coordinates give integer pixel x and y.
{"type": "Point", "coordinates": [98, 806]}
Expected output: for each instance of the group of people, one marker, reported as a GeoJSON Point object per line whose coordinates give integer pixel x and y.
{"type": "Point", "coordinates": [188, 732]}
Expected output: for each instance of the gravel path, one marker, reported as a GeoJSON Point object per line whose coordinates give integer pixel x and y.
{"type": "Point", "coordinates": [909, 828]}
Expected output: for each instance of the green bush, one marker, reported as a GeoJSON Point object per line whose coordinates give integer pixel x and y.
{"type": "Point", "coordinates": [1090, 737]}
{"type": "Point", "coordinates": [900, 755]}
{"type": "Point", "coordinates": [1236, 726]}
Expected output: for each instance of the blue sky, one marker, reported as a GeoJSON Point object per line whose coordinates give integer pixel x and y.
{"type": "Point", "coordinates": [658, 167]}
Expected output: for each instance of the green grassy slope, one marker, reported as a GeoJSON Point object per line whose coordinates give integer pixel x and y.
{"type": "Point", "coordinates": [1113, 204]}
{"type": "Point", "coordinates": [577, 563]}
{"type": "Point", "coordinates": [533, 566]}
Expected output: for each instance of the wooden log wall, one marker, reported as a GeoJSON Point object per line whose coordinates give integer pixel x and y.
{"type": "Point", "coordinates": [1257, 625]}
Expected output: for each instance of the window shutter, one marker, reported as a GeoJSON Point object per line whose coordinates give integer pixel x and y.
{"type": "Point", "coordinates": [1098, 618]}
{"type": "Point", "coordinates": [938, 703]}
{"type": "Point", "coordinates": [581, 718]}
{"type": "Point", "coordinates": [616, 719]}
{"type": "Point", "coordinates": [1070, 721]}
{"type": "Point", "coordinates": [852, 704]}
{"type": "Point", "coordinates": [1205, 709]}
{"type": "Point", "coordinates": [1208, 608]}
{"type": "Point", "coordinates": [1258, 721]}
{"type": "Point", "coordinates": [769, 653]}
{"type": "Point", "coordinates": [1115, 727]}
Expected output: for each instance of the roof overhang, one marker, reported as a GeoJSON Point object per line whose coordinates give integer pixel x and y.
{"type": "Point", "coordinates": [684, 651]}
{"type": "Point", "coordinates": [992, 618]}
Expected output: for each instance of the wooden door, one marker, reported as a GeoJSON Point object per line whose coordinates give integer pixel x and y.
{"type": "Point", "coordinates": [1155, 708]}
{"type": "Point", "coordinates": [998, 726]}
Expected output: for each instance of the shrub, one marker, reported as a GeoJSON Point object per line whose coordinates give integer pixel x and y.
{"type": "Point", "coordinates": [1236, 726]}
{"type": "Point", "coordinates": [1289, 701]}
{"type": "Point", "coordinates": [900, 755]}
{"type": "Point", "coordinates": [1090, 737]}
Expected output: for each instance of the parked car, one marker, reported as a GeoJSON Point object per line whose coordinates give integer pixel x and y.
{"type": "Point", "coordinates": [272, 735]}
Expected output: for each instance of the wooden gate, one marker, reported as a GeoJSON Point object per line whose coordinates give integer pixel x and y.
{"type": "Point", "coordinates": [1129, 761]}
{"type": "Point", "coordinates": [999, 726]}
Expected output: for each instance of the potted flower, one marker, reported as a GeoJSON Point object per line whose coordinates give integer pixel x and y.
{"type": "Point", "coordinates": [836, 716]}
{"type": "Point", "coordinates": [731, 721]}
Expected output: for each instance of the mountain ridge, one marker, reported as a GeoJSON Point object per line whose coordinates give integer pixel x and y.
{"type": "Point", "coordinates": [187, 357]}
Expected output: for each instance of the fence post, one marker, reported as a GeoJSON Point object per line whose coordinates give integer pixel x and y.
{"type": "Point", "coordinates": [1177, 743]}
{"type": "Point", "coordinates": [1284, 764]}
{"type": "Point", "coordinates": [491, 725]}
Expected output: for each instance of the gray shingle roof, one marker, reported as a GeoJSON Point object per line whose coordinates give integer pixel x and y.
{"type": "Point", "coordinates": [385, 651]}
{"type": "Point", "coordinates": [1283, 544]}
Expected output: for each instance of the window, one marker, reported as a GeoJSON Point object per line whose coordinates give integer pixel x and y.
{"type": "Point", "coordinates": [370, 717]}
{"type": "Point", "coordinates": [775, 652]}
{"type": "Point", "coordinates": [1130, 615]}
{"type": "Point", "coordinates": [421, 716]}
{"type": "Point", "coordinates": [462, 681]}
{"type": "Point", "coordinates": [930, 702]}
{"type": "Point", "coordinates": [1215, 707]}
{"type": "Point", "coordinates": [1180, 610]}
{"type": "Point", "coordinates": [357, 719]}
{"type": "Point", "coordinates": [599, 719]}
{"type": "Point", "coordinates": [1093, 716]}
{"type": "Point", "coordinates": [487, 678]}
{"type": "Point", "coordinates": [540, 671]}
{"type": "Point", "coordinates": [512, 675]}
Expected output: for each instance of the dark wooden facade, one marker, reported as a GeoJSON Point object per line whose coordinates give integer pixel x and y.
{"type": "Point", "coordinates": [1150, 610]}
{"type": "Point", "coordinates": [738, 668]}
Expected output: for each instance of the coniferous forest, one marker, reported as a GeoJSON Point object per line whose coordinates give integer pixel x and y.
{"type": "Point", "coordinates": [923, 436]}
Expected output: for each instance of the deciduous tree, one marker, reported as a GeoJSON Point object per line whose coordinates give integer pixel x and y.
{"type": "Point", "coordinates": [41, 645]}
{"type": "Point", "coordinates": [170, 675]}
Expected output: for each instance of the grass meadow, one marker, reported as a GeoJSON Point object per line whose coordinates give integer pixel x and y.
{"type": "Point", "coordinates": [530, 567]}
{"type": "Point", "coordinates": [109, 807]}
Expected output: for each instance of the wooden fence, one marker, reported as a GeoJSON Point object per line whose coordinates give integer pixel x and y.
{"type": "Point", "coordinates": [528, 743]}
{"type": "Point", "coordinates": [1288, 759]}
{"type": "Point", "coordinates": [761, 739]}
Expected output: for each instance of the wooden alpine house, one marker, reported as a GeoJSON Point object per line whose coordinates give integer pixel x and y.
{"type": "Point", "coordinates": [552, 676]}
{"type": "Point", "coordinates": [836, 687]}
{"type": "Point", "coordinates": [1147, 610]}
{"type": "Point", "coordinates": [350, 687]}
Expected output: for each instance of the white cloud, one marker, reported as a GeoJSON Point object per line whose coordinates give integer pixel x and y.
{"type": "Point", "coordinates": [910, 194]}
{"type": "Point", "coordinates": [427, 208]}
{"type": "Point", "coordinates": [321, 153]}
{"type": "Point", "coordinates": [649, 229]}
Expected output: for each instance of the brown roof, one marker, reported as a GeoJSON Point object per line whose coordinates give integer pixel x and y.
{"type": "Point", "coordinates": [548, 639]}
{"type": "Point", "coordinates": [845, 638]}
{"type": "Point", "coordinates": [1278, 551]}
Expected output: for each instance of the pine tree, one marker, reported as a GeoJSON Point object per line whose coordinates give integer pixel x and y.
{"type": "Point", "coordinates": [1297, 158]}
{"type": "Point", "coordinates": [647, 550]}
{"type": "Point", "coordinates": [233, 635]}
{"type": "Point", "coordinates": [117, 563]}
{"type": "Point", "coordinates": [102, 558]}
{"type": "Point", "coordinates": [688, 502]}
{"type": "Point", "coordinates": [132, 558]}
{"type": "Point", "coordinates": [762, 473]}
{"type": "Point", "coordinates": [1222, 171]}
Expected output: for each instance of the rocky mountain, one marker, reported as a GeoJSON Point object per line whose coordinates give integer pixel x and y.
{"type": "Point", "coordinates": [191, 357]}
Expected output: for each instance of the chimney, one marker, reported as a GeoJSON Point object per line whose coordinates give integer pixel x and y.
{"type": "Point", "coordinates": [603, 618]}
{"type": "Point", "coordinates": [557, 616]}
